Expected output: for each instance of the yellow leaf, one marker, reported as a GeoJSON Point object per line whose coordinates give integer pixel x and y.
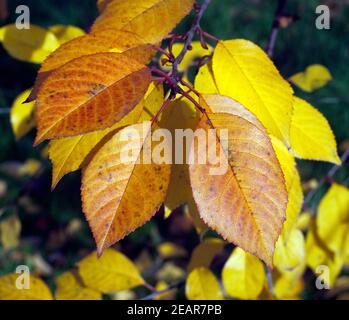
{"type": "Point", "coordinates": [30, 167]}
{"type": "Point", "coordinates": [30, 45]}
{"type": "Point", "coordinates": [170, 273]}
{"type": "Point", "coordinates": [65, 33]}
{"type": "Point", "coordinates": [243, 275]}
{"type": "Point", "coordinates": [69, 288]}
{"type": "Point", "coordinates": [318, 255]}
{"type": "Point", "coordinates": [314, 77]}
{"type": "Point", "coordinates": [332, 219]}
{"type": "Point", "coordinates": [121, 195]}
{"type": "Point", "coordinates": [290, 253]}
{"type": "Point", "coordinates": [293, 185]}
{"type": "Point", "coordinates": [290, 284]}
{"type": "Point", "coordinates": [110, 86]}
{"type": "Point", "coordinates": [202, 284]}
{"type": "Point", "coordinates": [170, 250]}
{"type": "Point", "coordinates": [10, 230]}
{"type": "Point", "coordinates": [197, 51]}
{"type": "Point", "coordinates": [111, 272]}
{"type": "Point", "coordinates": [248, 191]}
{"type": "Point", "coordinates": [180, 114]}
{"type": "Point", "coordinates": [68, 154]}
{"type": "Point", "coordinates": [38, 290]}
{"type": "Point", "coordinates": [159, 17]}
{"type": "Point", "coordinates": [204, 253]}
{"type": "Point", "coordinates": [304, 221]}
{"type": "Point", "coordinates": [22, 115]}
{"type": "Point", "coordinates": [205, 81]}
{"type": "Point", "coordinates": [311, 135]}
{"type": "Point", "coordinates": [244, 72]}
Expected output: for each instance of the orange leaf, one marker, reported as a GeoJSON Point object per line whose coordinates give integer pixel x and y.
{"type": "Point", "coordinates": [127, 43]}
{"type": "Point", "coordinates": [89, 94]}
{"type": "Point", "coordinates": [150, 19]}
{"type": "Point", "coordinates": [247, 203]}
{"type": "Point", "coordinates": [119, 196]}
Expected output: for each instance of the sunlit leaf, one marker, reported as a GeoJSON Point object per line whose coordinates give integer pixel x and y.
{"type": "Point", "coordinates": [89, 94]}
{"type": "Point", "coordinates": [111, 272]}
{"type": "Point", "coordinates": [37, 290]}
{"type": "Point", "coordinates": [314, 77]}
{"type": "Point", "coordinates": [202, 284]}
{"type": "Point", "coordinates": [22, 115]}
{"type": "Point", "coordinates": [245, 202]}
{"type": "Point", "coordinates": [244, 72]}
{"type": "Point", "coordinates": [243, 275]}
{"type": "Point", "coordinates": [311, 135]}
{"type": "Point", "coordinates": [30, 45]}
{"type": "Point", "coordinates": [159, 17]}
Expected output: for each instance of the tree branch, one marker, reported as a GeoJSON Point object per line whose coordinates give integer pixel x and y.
{"type": "Point", "coordinates": [190, 36]}
{"type": "Point", "coordinates": [275, 27]}
{"type": "Point", "coordinates": [173, 78]}
{"type": "Point", "coordinates": [157, 293]}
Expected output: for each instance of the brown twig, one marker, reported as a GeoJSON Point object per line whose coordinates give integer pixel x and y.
{"type": "Point", "coordinates": [157, 293]}
{"type": "Point", "coordinates": [275, 27]}
{"type": "Point", "coordinates": [190, 35]}
{"type": "Point", "coordinates": [173, 78]}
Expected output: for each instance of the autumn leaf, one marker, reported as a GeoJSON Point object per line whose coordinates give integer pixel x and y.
{"type": "Point", "coordinates": [30, 45]}
{"type": "Point", "coordinates": [171, 250]}
{"type": "Point", "coordinates": [243, 275]}
{"type": "Point", "coordinates": [65, 33]}
{"type": "Point", "coordinates": [38, 290]}
{"type": "Point", "coordinates": [290, 253]}
{"type": "Point", "coordinates": [180, 114]}
{"type": "Point", "coordinates": [314, 77]}
{"type": "Point", "coordinates": [22, 115]}
{"type": "Point", "coordinates": [110, 40]}
{"type": "Point", "coordinates": [69, 288]}
{"type": "Point", "coordinates": [333, 219]}
{"type": "Point", "coordinates": [319, 255]}
{"type": "Point", "coordinates": [311, 135]}
{"type": "Point", "coordinates": [249, 200]}
{"type": "Point", "coordinates": [289, 285]}
{"type": "Point", "coordinates": [244, 72]}
{"type": "Point", "coordinates": [293, 185]}
{"type": "Point", "coordinates": [119, 196]}
{"type": "Point", "coordinates": [159, 17]}
{"type": "Point", "coordinates": [109, 273]}
{"type": "Point", "coordinates": [68, 154]}
{"type": "Point", "coordinates": [205, 252]}
{"type": "Point", "coordinates": [205, 81]}
{"type": "Point", "coordinates": [202, 284]}
{"type": "Point", "coordinates": [10, 230]}
{"type": "Point", "coordinates": [89, 94]}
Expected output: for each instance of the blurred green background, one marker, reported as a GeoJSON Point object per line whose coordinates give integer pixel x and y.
{"type": "Point", "coordinates": [47, 215]}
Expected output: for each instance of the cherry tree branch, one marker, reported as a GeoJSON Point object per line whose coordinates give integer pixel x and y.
{"type": "Point", "coordinates": [190, 35]}
{"type": "Point", "coordinates": [275, 27]}
{"type": "Point", "coordinates": [173, 78]}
